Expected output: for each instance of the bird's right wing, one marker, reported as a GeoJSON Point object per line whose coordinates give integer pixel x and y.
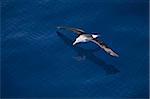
{"type": "Point", "coordinates": [75, 30]}
{"type": "Point", "coordinates": [105, 47]}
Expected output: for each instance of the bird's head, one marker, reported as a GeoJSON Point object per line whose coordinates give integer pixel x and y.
{"type": "Point", "coordinates": [75, 42]}
{"type": "Point", "coordinates": [78, 40]}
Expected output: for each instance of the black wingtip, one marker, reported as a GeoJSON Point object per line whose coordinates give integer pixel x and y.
{"type": "Point", "coordinates": [115, 55]}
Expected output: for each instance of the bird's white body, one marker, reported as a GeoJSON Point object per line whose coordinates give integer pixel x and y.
{"type": "Point", "coordinates": [85, 38]}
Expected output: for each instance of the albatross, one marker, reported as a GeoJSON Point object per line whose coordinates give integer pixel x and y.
{"type": "Point", "coordinates": [85, 37]}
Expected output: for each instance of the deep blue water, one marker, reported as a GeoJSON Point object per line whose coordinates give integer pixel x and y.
{"type": "Point", "coordinates": [38, 62]}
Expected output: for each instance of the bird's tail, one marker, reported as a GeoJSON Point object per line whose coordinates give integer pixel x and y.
{"type": "Point", "coordinates": [95, 36]}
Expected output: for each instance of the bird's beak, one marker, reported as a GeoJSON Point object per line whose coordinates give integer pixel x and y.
{"type": "Point", "coordinates": [74, 43]}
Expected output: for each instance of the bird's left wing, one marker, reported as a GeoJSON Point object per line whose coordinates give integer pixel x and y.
{"type": "Point", "coordinates": [105, 47]}
{"type": "Point", "coordinates": [75, 30]}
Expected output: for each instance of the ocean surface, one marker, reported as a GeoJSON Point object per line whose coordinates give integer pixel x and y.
{"type": "Point", "coordinates": [38, 62]}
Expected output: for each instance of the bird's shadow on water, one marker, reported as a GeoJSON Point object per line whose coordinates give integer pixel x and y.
{"type": "Point", "coordinates": [109, 69]}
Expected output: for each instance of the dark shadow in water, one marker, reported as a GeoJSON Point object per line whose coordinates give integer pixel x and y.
{"type": "Point", "coordinates": [109, 69]}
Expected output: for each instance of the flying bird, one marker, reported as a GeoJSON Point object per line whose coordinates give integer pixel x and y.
{"type": "Point", "coordinates": [85, 37]}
